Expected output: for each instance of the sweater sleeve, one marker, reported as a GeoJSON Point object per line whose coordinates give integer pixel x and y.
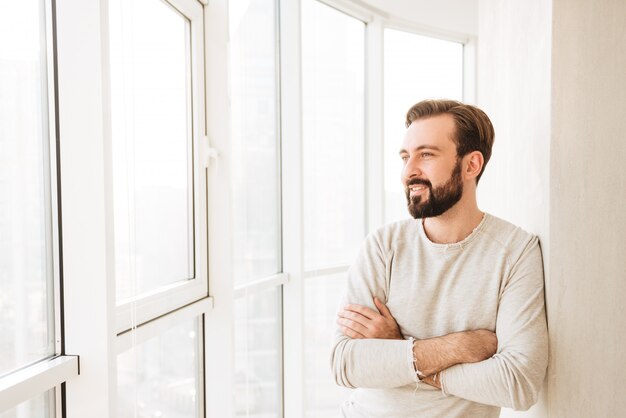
{"type": "Point", "coordinates": [514, 375]}
{"type": "Point", "coordinates": [370, 363]}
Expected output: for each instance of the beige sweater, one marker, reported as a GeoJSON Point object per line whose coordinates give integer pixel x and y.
{"type": "Point", "coordinates": [493, 280]}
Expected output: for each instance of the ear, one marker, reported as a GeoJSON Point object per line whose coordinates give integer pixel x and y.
{"type": "Point", "coordinates": [474, 163]}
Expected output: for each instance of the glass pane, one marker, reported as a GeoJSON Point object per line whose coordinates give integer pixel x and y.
{"type": "Point", "coordinates": [258, 355]}
{"type": "Point", "coordinates": [152, 145]}
{"type": "Point", "coordinates": [41, 406]}
{"type": "Point", "coordinates": [160, 378]}
{"type": "Point", "coordinates": [255, 145]}
{"type": "Point", "coordinates": [26, 275]}
{"type": "Point", "coordinates": [333, 63]}
{"type": "Point", "coordinates": [416, 68]}
{"type": "Point", "coordinates": [323, 396]}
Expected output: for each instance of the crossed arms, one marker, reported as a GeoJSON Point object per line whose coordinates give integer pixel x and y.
{"type": "Point", "coordinates": [430, 356]}
{"type": "Point", "coordinates": [370, 352]}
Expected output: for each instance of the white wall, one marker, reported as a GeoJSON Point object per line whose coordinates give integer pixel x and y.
{"type": "Point", "coordinates": [587, 288]}
{"type": "Point", "coordinates": [552, 77]}
{"type": "Point", "coordinates": [513, 88]}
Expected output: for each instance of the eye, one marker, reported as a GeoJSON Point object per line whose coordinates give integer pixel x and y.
{"type": "Point", "coordinates": [405, 158]}
{"type": "Point", "coordinates": [427, 154]}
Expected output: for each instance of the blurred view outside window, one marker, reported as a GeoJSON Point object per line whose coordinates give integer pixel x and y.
{"type": "Point", "coordinates": [26, 252]}
{"type": "Point", "coordinates": [42, 406]}
{"type": "Point", "coordinates": [416, 68]}
{"type": "Point", "coordinates": [333, 54]}
{"type": "Point", "coordinates": [160, 378]}
{"type": "Point", "coordinates": [255, 140]}
{"type": "Point", "coordinates": [152, 145]}
{"type": "Point", "coordinates": [258, 353]}
{"type": "Point", "coordinates": [333, 62]}
{"type": "Point", "coordinates": [323, 396]}
{"type": "Point", "coordinates": [256, 206]}
{"type": "Point", "coordinates": [153, 196]}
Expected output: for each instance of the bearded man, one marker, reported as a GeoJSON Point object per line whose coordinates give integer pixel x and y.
{"type": "Point", "coordinates": [444, 314]}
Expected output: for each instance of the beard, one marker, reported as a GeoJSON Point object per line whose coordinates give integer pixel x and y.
{"type": "Point", "coordinates": [440, 198]}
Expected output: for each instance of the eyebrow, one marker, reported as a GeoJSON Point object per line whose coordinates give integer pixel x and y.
{"type": "Point", "coordinates": [421, 147]}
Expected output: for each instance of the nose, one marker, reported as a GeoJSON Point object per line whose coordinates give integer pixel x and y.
{"type": "Point", "coordinates": [410, 170]}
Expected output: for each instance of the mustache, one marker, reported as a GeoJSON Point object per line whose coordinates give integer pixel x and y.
{"type": "Point", "coordinates": [415, 181]}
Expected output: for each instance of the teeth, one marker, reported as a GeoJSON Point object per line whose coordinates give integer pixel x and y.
{"type": "Point", "coordinates": [416, 188]}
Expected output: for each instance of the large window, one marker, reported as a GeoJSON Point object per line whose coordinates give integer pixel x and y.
{"type": "Point", "coordinates": [255, 141]}
{"type": "Point", "coordinates": [29, 263]}
{"type": "Point", "coordinates": [183, 185]}
{"type": "Point", "coordinates": [26, 263]}
{"type": "Point", "coordinates": [333, 155]}
{"type": "Point", "coordinates": [416, 67]}
{"type": "Point", "coordinates": [152, 146]}
{"type": "Point", "coordinates": [159, 204]}
{"type": "Point", "coordinates": [257, 261]}
{"type": "Point", "coordinates": [157, 147]}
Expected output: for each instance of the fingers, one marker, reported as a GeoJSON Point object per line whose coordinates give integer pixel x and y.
{"type": "Point", "coordinates": [356, 317]}
{"type": "Point", "coordinates": [363, 310]}
{"type": "Point", "coordinates": [351, 333]}
{"type": "Point", "coordinates": [382, 308]}
{"type": "Point", "coordinates": [352, 325]}
{"type": "Point", "coordinates": [433, 380]}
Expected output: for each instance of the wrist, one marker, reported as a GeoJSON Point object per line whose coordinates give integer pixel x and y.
{"type": "Point", "coordinates": [420, 374]}
{"type": "Point", "coordinates": [421, 359]}
{"type": "Point", "coordinates": [435, 354]}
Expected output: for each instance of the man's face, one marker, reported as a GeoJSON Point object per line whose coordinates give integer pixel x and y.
{"type": "Point", "coordinates": [432, 171]}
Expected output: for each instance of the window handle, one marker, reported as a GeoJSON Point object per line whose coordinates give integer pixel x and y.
{"type": "Point", "coordinates": [210, 153]}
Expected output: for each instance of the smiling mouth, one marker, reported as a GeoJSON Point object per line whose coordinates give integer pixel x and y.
{"type": "Point", "coordinates": [417, 189]}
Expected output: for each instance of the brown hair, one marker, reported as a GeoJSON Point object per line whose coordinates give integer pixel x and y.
{"type": "Point", "coordinates": [474, 131]}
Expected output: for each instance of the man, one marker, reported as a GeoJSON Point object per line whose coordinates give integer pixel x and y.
{"type": "Point", "coordinates": [444, 314]}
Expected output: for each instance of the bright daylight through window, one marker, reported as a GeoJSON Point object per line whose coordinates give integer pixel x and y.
{"type": "Point", "coordinates": [158, 204]}
{"type": "Point", "coordinates": [27, 262]}
{"type": "Point", "coordinates": [256, 207]}
{"type": "Point", "coordinates": [416, 68]}
{"type": "Point", "coordinates": [333, 135]}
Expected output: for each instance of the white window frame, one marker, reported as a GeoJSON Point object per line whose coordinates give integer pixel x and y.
{"type": "Point", "coordinates": [160, 301]}
{"type": "Point", "coordinates": [49, 373]}
{"type": "Point", "coordinates": [95, 327]}
{"type": "Point", "coordinates": [219, 330]}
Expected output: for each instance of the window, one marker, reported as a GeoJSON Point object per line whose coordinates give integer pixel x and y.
{"type": "Point", "coordinates": [31, 344]}
{"type": "Point", "coordinates": [333, 154]}
{"type": "Point", "coordinates": [157, 157]}
{"type": "Point", "coordinates": [196, 281]}
{"type": "Point", "coordinates": [258, 356]}
{"type": "Point", "coordinates": [160, 377]}
{"type": "Point", "coordinates": [416, 68]}
{"type": "Point", "coordinates": [158, 177]}
{"type": "Point", "coordinates": [257, 249]}
{"type": "Point", "coordinates": [40, 406]}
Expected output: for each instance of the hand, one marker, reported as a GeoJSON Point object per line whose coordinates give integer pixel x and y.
{"type": "Point", "coordinates": [358, 321]}
{"type": "Point", "coordinates": [433, 380]}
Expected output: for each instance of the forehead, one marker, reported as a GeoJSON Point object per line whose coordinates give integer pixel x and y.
{"type": "Point", "coordinates": [435, 131]}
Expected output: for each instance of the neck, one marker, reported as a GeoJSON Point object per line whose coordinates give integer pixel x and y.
{"type": "Point", "coordinates": [456, 224]}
